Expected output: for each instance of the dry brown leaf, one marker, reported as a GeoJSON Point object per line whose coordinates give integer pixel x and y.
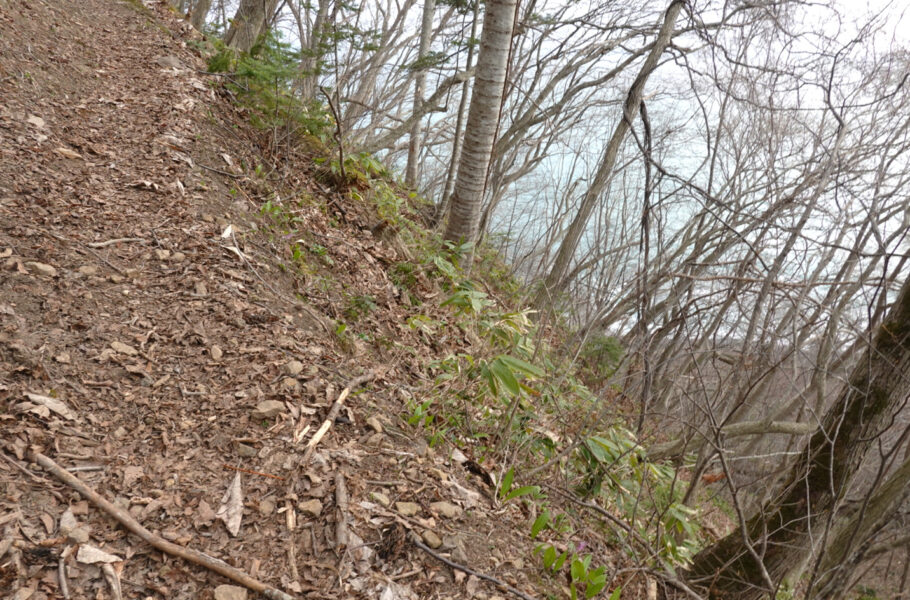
{"type": "Point", "coordinates": [49, 404]}
{"type": "Point", "coordinates": [89, 554]}
{"type": "Point", "coordinates": [204, 513]}
{"type": "Point", "coordinates": [124, 348]}
{"type": "Point", "coordinates": [47, 521]}
{"type": "Point", "coordinates": [231, 509]}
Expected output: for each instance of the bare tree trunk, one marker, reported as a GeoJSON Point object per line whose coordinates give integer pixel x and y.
{"type": "Point", "coordinates": [426, 32]}
{"type": "Point", "coordinates": [442, 208]}
{"type": "Point", "coordinates": [200, 12]}
{"type": "Point", "coordinates": [249, 23]}
{"type": "Point", "coordinates": [309, 64]}
{"type": "Point", "coordinates": [852, 542]}
{"type": "Point", "coordinates": [492, 62]}
{"type": "Point", "coordinates": [751, 561]}
{"type": "Point", "coordinates": [555, 280]}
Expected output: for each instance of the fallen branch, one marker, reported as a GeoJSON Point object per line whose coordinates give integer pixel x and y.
{"type": "Point", "coordinates": [114, 241]}
{"type": "Point", "coordinates": [333, 413]}
{"type": "Point", "coordinates": [497, 582]}
{"type": "Point", "coordinates": [188, 554]}
{"type": "Point", "coordinates": [341, 519]}
{"type": "Point", "coordinates": [219, 171]}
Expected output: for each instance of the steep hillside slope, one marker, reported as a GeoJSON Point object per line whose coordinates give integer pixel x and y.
{"type": "Point", "coordinates": [157, 342]}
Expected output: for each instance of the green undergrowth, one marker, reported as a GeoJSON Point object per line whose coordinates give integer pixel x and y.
{"type": "Point", "coordinates": [496, 384]}
{"type": "Point", "coordinates": [262, 82]}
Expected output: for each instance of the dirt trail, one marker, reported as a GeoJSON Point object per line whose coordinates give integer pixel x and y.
{"type": "Point", "coordinates": [149, 343]}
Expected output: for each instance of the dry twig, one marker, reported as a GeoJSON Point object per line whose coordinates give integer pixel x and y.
{"type": "Point", "coordinates": [497, 582]}
{"type": "Point", "coordinates": [341, 504]}
{"type": "Point", "coordinates": [333, 413]}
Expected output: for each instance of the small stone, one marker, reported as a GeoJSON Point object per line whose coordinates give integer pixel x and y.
{"type": "Point", "coordinates": [120, 433]}
{"type": "Point", "coordinates": [312, 508]}
{"type": "Point", "coordinates": [216, 353]}
{"type": "Point", "coordinates": [407, 509]}
{"type": "Point", "coordinates": [268, 409]}
{"type": "Point", "coordinates": [266, 507]}
{"type": "Point", "coordinates": [200, 289]}
{"type": "Point", "coordinates": [63, 358]}
{"type": "Point", "coordinates": [36, 121]}
{"type": "Point", "coordinates": [68, 522]}
{"type": "Point", "coordinates": [172, 62]}
{"type": "Point", "coordinates": [89, 270]}
{"type": "Point", "coordinates": [445, 509]}
{"type": "Point", "coordinates": [374, 440]}
{"type": "Point", "coordinates": [178, 257]}
{"type": "Point", "coordinates": [374, 424]}
{"type": "Point", "coordinates": [245, 451]}
{"type": "Point", "coordinates": [162, 254]}
{"type": "Point", "coordinates": [124, 348]}
{"type": "Point", "coordinates": [381, 498]}
{"type": "Point", "coordinates": [71, 529]}
{"type": "Point", "coordinates": [293, 368]}
{"type": "Point", "coordinates": [230, 592]}
{"type": "Point", "coordinates": [432, 540]}
{"type": "Point", "coordinates": [117, 278]}
{"type": "Point", "coordinates": [42, 268]}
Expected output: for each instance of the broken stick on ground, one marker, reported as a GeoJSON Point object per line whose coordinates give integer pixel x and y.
{"type": "Point", "coordinates": [333, 414]}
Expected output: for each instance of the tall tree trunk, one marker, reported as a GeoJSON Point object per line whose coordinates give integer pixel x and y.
{"type": "Point", "coordinates": [751, 562]}
{"type": "Point", "coordinates": [555, 280]}
{"type": "Point", "coordinates": [442, 208]}
{"type": "Point", "coordinates": [852, 542]}
{"type": "Point", "coordinates": [200, 12]}
{"type": "Point", "coordinates": [426, 33]}
{"type": "Point", "coordinates": [483, 115]}
{"type": "Point", "coordinates": [312, 56]}
{"type": "Point", "coordinates": [249, 23]}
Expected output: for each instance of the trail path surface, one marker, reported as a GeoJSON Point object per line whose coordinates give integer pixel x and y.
{"type": "Point", "coordinates": [149, 344]}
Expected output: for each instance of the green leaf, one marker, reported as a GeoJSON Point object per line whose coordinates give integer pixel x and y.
{"type": "Point", "coordinates": [506, 484]}
{"type": "Point", "coordinates": [561, 560]}
{"type": "Point", "coordinates": [447, 269]}
{"type": "Point", "coordinates": [598, 575]}
{"type": "Point", "coordinates": [542, 520]}
{"type": "Point", "coordinates": [524, 490]}
{"type": "Point", "coordinates": [516, 364]}
{"type": "Point", "coordinates": [492, 380]}
{"type": "Point", "coordinates": [594, 588]}
{"type": "Point", "coordinates": [549, 557]}
{"type": "Point", "coordinates": [504, 374]}
{"type": "Point", "coordinates": [578, 570]}
{"type": "Point", "coordinates": [616, 593]}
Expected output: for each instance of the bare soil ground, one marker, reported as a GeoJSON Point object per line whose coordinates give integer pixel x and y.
{"type": "Point", "coordinates": [151, 343]}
